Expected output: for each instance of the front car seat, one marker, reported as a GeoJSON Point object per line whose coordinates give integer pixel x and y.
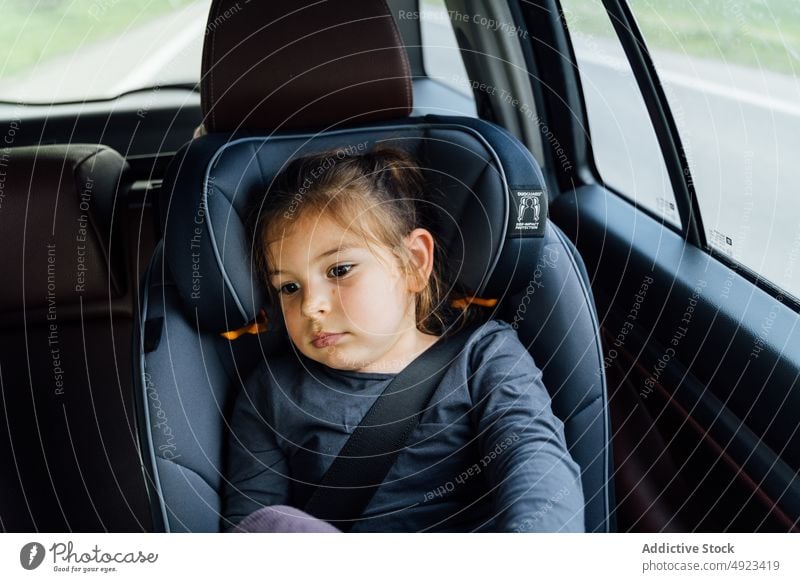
{"type": "Point", "coordinates": [295, 78]}
{"type": "Point", "coordinates": [68, 446]}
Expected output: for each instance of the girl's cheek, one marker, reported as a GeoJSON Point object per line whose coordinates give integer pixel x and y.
{"type": "Point", "coordinates": [290, 316]}
{"type": "Point", "coordinates": [355, 300]}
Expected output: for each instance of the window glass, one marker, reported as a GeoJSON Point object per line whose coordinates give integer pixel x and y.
{"type": "Point", "coordinates": [74, 50]}
{"type": "Point", "coordinates": [730, 71]}
{"type": "Point", "coordinates": [440, 51]}
{"type": "Point", "coordinates": [624, 142]}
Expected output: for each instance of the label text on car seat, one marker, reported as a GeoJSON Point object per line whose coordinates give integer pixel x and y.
{"type": "Point", "coordinates": [528, 212]}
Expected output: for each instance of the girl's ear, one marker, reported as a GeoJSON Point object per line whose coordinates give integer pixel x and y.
{"type": "Point", "coordinates": [420, 246]}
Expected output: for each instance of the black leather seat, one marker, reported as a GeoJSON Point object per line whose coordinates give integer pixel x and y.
{"type": "Point", "coordinates": [68, 445]}
{"type": "Point", "coordinates": [295, 78]}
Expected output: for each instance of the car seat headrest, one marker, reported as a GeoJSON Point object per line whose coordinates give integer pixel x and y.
{"type": "Point", "coordinates": [281, 65]}
{"type": "Point", "coordinates": [488, 186]}
{"type": "Point", "coordinates": [56, 205]}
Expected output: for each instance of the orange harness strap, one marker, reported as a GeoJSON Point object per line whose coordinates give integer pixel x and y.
{"type": "Point", "coordinates": [465, 302]}
{"type": "Point", "coordinates": [258, 326]}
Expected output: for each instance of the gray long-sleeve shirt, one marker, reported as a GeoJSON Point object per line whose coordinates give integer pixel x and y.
{"type": "Point", "coordinates": [487, 455]}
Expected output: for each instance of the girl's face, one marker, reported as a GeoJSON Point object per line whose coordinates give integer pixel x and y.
{"type": "Point", "coordinates": [348, 305]}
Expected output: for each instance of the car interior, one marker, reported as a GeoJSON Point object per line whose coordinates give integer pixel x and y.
{"type": "Point", "coordinates": [128, 257]}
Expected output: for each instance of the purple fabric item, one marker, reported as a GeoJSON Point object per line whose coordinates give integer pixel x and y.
{"type": "Point", "coordinates": [282, 519]}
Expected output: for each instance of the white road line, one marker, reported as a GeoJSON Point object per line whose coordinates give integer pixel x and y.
{"type": "Point", "coordinates": [697, 84]}
{"type": "Point", "coordinates": [143, 75]}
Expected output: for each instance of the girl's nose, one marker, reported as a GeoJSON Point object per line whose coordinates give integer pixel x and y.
{"type": "Point", "coordinates": [315, 302]}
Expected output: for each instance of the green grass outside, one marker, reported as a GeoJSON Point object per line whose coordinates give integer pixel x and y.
{"type": "Point", "coordinates": [759, 33]}
{"type": "Point", "coordinates": [35, 30]}
{"type": "Point", "coordinates": [764, 34]}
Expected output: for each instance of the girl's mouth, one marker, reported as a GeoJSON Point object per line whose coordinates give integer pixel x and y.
{"type": "Point", "coordinates": [322, 340]}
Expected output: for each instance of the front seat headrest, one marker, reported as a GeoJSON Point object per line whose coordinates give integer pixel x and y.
{"type": "Point", "coordinates": [277, 65]}
{"type": "Point", "coordinates": [56, 224]}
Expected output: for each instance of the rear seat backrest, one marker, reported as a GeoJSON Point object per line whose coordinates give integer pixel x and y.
{"type": "Point", "coordinates": [68, 451]}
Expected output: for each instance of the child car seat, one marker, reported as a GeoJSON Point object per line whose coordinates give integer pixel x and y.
{"type": "Point", "coordinates": [290, 78]}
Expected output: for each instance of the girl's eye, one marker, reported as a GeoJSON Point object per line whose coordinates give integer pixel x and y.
{"type": "Point", "coordinates": [339, 271]}
{"type": "Point", "coordinates": [289, 288]}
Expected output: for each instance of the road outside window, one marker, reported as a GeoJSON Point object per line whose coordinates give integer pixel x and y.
{"type": "Point", "coordinates": [77, 50]}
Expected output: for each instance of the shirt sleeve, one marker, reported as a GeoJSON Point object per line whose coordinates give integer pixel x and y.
{"type": "Point", "coordinates": [535, 483]}
{"type": "Point", "coordinates": [258, 473]}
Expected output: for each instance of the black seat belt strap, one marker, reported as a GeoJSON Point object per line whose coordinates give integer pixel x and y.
{"type": "Point", "coordinates": [364, 461]}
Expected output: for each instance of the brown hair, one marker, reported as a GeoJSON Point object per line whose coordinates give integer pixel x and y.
{"type": "Point", "coordinates": [384, 188]}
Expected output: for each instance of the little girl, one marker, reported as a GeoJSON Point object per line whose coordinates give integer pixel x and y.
{"type": "Point", "coordinates": [345, 245]}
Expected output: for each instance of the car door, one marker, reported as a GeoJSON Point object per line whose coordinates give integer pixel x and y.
{"type": "Point", "coordinates": [671, 148]}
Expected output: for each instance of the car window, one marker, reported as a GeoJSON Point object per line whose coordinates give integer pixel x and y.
{"type": "Point", "coordinates": [440, 51]}
{"type": "Point", "coordinates": [625, 146]}
{"type": "Point", "coordinates": [731, 74]}
{"type": "Point", "coordinates": [77, 50]}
